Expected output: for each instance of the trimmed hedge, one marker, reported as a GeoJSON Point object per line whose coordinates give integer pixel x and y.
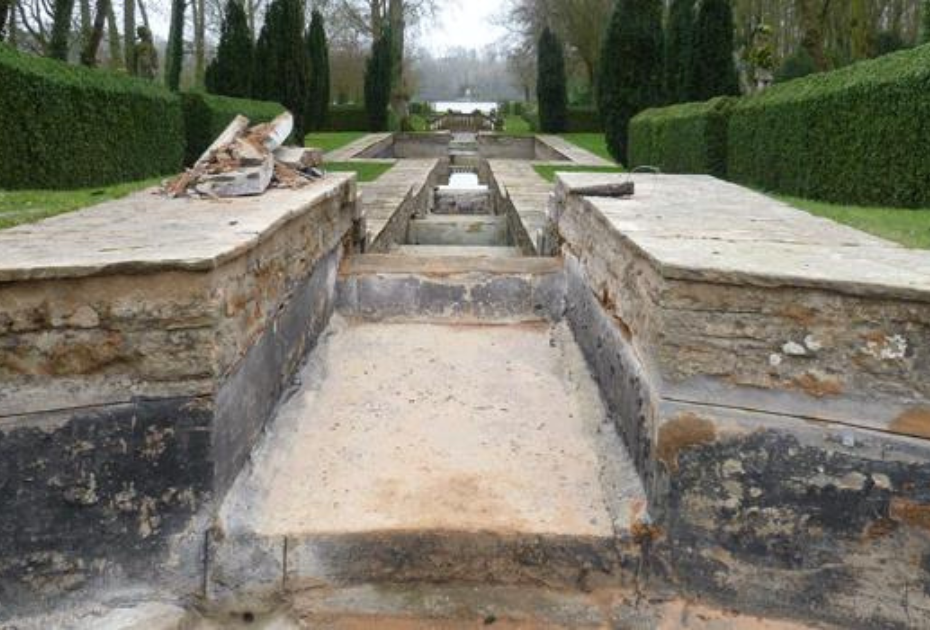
{"type": "Point", "coordinates": [584, 120]}
{"type": "Point", "coordinates": [206, 115]}
{"type": "Point", "coordinates": [687, 138]}
{"type": "Point", "coordinates": [65, 126]}
{"type": "Point", "coordinates": [858, 135]}
{"type": "Point", "coordinates": [347, 118]}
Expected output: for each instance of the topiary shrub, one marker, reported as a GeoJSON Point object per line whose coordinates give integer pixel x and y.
{"type": "Point", "coordinates": [686, 138]}
{"type": "Point", "coordinates": [856, 135]}
{"type": "Point", "coordinates": [65, 126]}
{"type": "Point", "coordinates": [206, 115]}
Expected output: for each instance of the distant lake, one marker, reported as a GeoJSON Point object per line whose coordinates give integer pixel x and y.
{"type": "Point", "coordinates": [465, 107]}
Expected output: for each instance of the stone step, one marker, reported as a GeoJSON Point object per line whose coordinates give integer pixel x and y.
{"type": "Point", "coordinates": [478, 251]}
{"type": "Point", "coordinates": [433, 453]}
{"type": "Point", "coordinates": [451, 287]}
{"type": "Point", "coordinates": [459, 230]}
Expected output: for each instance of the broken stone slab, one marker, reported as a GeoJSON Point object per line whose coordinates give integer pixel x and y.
{"type": "Point", "coordinates": [248, 153]}
{"type": "Point", "coordinates": [273, 134]}
{"type": "Point", "coordinates": [244, 181]}
{"type": "Point", "coordinates": [299, 158]}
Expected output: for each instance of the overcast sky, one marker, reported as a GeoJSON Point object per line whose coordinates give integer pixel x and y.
{"type": "Point", "coordinates": [466, 24]}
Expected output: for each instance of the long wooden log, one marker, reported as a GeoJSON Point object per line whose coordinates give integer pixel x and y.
{"type": "Point", "coordinates": [623, 189]}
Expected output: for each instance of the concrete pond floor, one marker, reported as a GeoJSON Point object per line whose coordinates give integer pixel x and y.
{"type": "Point", "coordinates": [411, 427]}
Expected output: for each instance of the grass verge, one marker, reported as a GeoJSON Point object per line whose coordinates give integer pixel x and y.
{"type": "Point", "coordinates": [911, 228]}
{"type": "Point", "coordinates": [548, 171]}
{"type": "Point", "coordinates": [332, 140]}
{"type": "Point", "coordinates": [367, 171]}
{"type": "Point", "coordinates": [28, 206]}
{"type": "Point", "coordinates": [516, 126]}
{"type": "Point", "coordinates": [593, 142]}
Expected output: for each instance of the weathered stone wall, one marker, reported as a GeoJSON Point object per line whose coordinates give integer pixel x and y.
{"type": "Point", "coordinates": [130, 399]}
{"type": "Point", "coordinates": [778, 423]}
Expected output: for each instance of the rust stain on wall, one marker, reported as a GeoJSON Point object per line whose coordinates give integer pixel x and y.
{"type": "Point", "coordinates": [910, 512]}
{"type": "Point", "coordinates": [817, 386]}
{"type": "Point", "coordinates": [915, 421]}
{"type": "Point", "coordinates": [683, 432]}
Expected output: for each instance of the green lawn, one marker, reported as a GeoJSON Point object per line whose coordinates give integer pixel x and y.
{"type": "Point", "coordinates": [331, 140]}
{"type": "Point", "coordinates": [516, 126]}
{"type": "Point", "coordinates": [593, 142]}
{"type": "Point", "coordinates": [548, 171]}
{"type": "Point", "coordinates": [908, 227]}
{"type": "Point", "coordinates": [28, 206]}
{"type": "Point", "coordinates": [367, 171]}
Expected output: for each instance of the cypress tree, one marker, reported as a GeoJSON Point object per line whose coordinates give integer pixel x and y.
{"type": "Point", "coordinates": [318, 52]}
{"type": "Point", "coordinates": [262, 65]}
{"type": "Point", "coordinates": [679, 37]}
{"type": "Point", "coordinates": [550, 84]}
{"type": "Point", "coordinates": [281, 66]}
{"type": "Point", "coordinates": [713, 68]}
{"type": "Point", "coordinates": [230, 72]}
{"type": "Point", "coordinates": [630, 77]}
{"type": "Point", "coordinates": [175, 51]}
{"type": "Point", "coordinates": [378, 71]}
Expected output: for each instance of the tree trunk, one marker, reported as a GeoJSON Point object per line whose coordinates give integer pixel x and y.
{"type": "Point", "coordinates": [86, 18]}
{"type": "Point", "coordinates": [61, 30]}
{"type": "Point", "coordinates": [129, 35]}
{"type": "Point", "coordinates": [810, 17]}
{"type": "Point", "coordinates": [145, 15]}
{"type": "Point", "coordinates": [200, 53]}
{"type": "Point", "coordinates": [6, 8]}
{"type": "Point", "coordinates": [89, 54]}
{"type": "Point", "coordinates": [113, 39]}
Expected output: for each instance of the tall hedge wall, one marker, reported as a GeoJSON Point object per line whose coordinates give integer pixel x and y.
{"type": "Point", "coordinates": [206, 115]}
{"type": "Point", "coordinates": [65, 126]}
{"type": "Point", "coordinates": [347, 118]}
{"type": "Point", "coordinates": [857, 135]}
{"type": "Point", "coordinates": [686, 138]}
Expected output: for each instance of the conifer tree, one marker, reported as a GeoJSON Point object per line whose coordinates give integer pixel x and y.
{"type": "Point", "coordinates": [378, 72]}
{"type": "Point", "coordinates": [230, 72]}
{"type": "Point", "coordinates": [679, 37]}
{"type": "Point", "coordinates": [281, 61]}
{"type": "Point", "coordinates": [175, 53]}
{"type": "Point", "coordinates": [318, 53]}
{"type": "Point", "coordinates": [630, 77]}
{"type": "Point", "coordinates": [551, 91]}
{"type": "Point", "coordinates": [713, 67]}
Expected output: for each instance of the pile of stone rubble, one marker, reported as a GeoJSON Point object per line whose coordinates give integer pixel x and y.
{"type": "Point", "coordinates": [247, 160]}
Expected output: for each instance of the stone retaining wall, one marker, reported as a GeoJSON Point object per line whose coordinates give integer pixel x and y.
{"type": "Point", "coordinates": [769, 373]}
{"type": "Point", "coordinates": [132, 389]}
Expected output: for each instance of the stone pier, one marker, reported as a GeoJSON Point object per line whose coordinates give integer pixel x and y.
{"type": "Point", "coordinates": [144, 343]}
{"type": "Point", "coordinates": [770, 374]}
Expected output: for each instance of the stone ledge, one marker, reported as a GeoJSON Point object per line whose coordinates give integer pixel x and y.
{"type": "Point", "coordinates": [147, 233]}
{"type": "Point", "coordinates": [696, 227]}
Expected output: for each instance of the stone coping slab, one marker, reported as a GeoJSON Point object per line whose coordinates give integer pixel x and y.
{"type": "Point", "coordinates": [351, 150]}
{"type": "Point", "coordinates": [575, 154]}
{"type": "Point", "coordinates": [147, 232]}
{"type": "Point", "coordinates": [697, 227]}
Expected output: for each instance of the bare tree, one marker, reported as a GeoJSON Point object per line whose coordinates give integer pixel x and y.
{"type": "Point", "coordinates": [95, 36]}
